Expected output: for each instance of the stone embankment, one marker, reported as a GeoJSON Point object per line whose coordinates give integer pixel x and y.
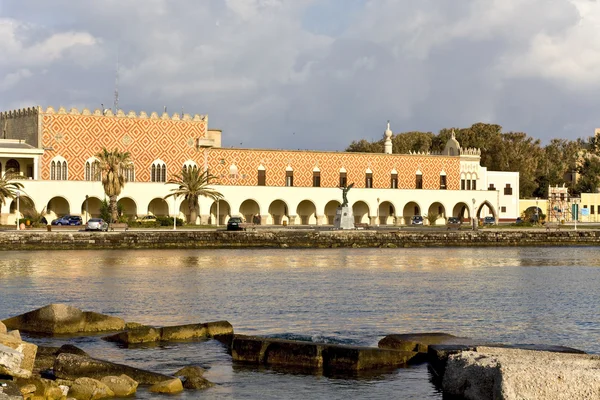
{"type": "Point", "coordinates": [291, 238]}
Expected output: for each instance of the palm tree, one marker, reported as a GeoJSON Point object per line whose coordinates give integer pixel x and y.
{"type": "Point", "coordinates": [191, 185]}
{"type": "Point", "coordinates": [8, 187]}
{"type": "Point", "coordinates": [112, 165]}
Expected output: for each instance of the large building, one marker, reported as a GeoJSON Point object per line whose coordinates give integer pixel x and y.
{"type": "Point", "coordinates": [53, 151]}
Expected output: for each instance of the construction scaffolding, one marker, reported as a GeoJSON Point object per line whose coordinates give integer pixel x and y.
{"type": "Point", "coordinates": [561, 205]}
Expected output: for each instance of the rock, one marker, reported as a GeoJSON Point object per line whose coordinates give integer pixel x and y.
{"type": "Point", "coordinates": [330, 358]}
{"type": "Point", "coordinates": [44, 388]}
{"type": "Point", "coordinates": [507, 374]}
{"type": "Point", "coordinates": [2, 327]}
{"type": "Point", "coordinates": [89, 389]}
{"type": "Point", "coordinates": [133, 325]}
{"type": "Point", "coordinates": [143, 334]}
{"type": "Point", "coordinates": [419, 342]}
{"type": "Point", "coordinates": [122, 386]}
{"type": "Point", "coordinates": [16, 334]}
{"type": "Point", "coordinates": [9, 390]}
{"type": "Point", "coordinates": [61, 319]}
{"type": "Point", "coordinates": [72, 366]}
{"type": "Point", "coordinates": [197, 331]}
{"type": "Point", "coordinates": [29, 350]}
{"type": "Point", "coordinates": [10, 363]}
{"type": "Point", "coordinates": [28, 389]}
{"type": "Point", "coordinates": [170, 386]}
{"type": "Point", "coordinates": [192, 378]}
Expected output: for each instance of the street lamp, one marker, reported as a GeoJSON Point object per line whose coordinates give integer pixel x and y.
{"type": "Point", "coordinates": [87, 211]}
{"type": "Point", "coordinates": [377, 222]}
{"type": "Point", "coordinates": [576, 210]}
{"type": "Point", "coordinates": [218, 201]}
{"type": "Point", "coordinates": [18, 193]}
{"type": "Point", "coordinates": [473, 217]}
{"type": "Point", "coordinates": [537, 216]}
{"type": "Point", "coordinates": [174, 213]}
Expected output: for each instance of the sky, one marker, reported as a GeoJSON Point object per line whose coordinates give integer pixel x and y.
{"type": "Point", "coordinates": [312, 74]}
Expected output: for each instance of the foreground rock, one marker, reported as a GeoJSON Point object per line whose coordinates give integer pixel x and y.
{"type": "Point", "coordinates": [220, 330]}
{"type": "Point", "coordinates": [89, 389]}
{"type": "Point", "coordinates": [28, 350]}
{"type": "Point", "coordinates": [10, 363]}
{"type": "Point", "coordinates": [42, 388]}
{"type": "Point", "coordinates": [171, 386]}
{"type": "Point", "coordinates": [63, 319]}
{"type": "Point", "coordinates": [299, 354]}
{"type": "Point", "coordinates": [507, 374]}
{"type": "Point", "coordinates": [71, 366]}
{"type": "Point", "coordinates": [192, 378]}
{"type": "Point", "coordinates": [122, 386]}
{"type": "Point", "coordinates": [46, 356]}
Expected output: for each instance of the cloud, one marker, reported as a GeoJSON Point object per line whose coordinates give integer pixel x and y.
{"type": "Point", "coordinates": [314, 73]}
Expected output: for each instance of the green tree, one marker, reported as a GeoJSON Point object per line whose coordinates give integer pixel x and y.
{"type": "Point", "coordinates": [8, 187]}
{"type": "Point", "coordinates": [112, 165]}
{"type": "Point", "coordinates": [589, 181]}
{"type": "Point", "coordinates": [364, 146]}
{"type": "Point", "coordinates": [192, 184]}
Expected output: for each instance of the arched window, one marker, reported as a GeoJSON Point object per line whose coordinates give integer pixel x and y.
{"type": "Point", "coordinates": [343, 177]}
{"type": "Point", "coordinates": [128, 173]}
{"type": "Point", "coordinates": [13, 166]}
{"type": "Point", "coordinates": [158, 171]}
{"type": "Point", "coordinates": [58, 169]}
{"type": "Point", "coordinates": [289, 176]}
{"type": "Point", "coordinates": [369, 178]}
{"type": "Point", "coordinates": [394, 179]}
{"type": "Point", "coordinates": [443, 182]}
{"type": "Point", "coordinates": [233, 171]}
{"type": "Point", "coordinates": [92, 169]}
{"type": "Point", "coordinates": [262, 175]}
{"type": "Point", "coordinates": [189, 165]}
{"type": "Point", "coordinates": [419, 180]}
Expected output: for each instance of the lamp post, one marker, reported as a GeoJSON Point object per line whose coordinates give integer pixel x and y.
{"type": "Point", "coordinates": [87, 211]}
{"type": "Point", "coordinates": [537, 216]}
{"type": "Point", "coordinates": [474, 220]}
{"type": "Point", "coordinates": [377, 222]}
{"type": "Point", "coordinates": [576, 210]}
{"type": "Point", "coordinates": [18, 210]}
{"type": "Point", "coordinates": [174, 213]}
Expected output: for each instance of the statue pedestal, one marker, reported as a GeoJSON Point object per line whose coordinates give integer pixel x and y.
{"type": "Point", "coordinates": [343, 218]}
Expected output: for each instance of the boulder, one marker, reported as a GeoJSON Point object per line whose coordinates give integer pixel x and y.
{"type": "Point", "coordinates": [197, 331]}
{"type": "Point", "coordinates": [170, 386]}
{"type": "Point", "coordinates": [192, 378]}
{"type": "Point", "coordinates": [507, 374]}
{"type": "Point", "coordinates": [419, 342]}
{"type": "Point", "coordinates": [122, 386]}
{"type": "Point", "coordinates": [9, 390]}
{"type": "Point", "coordinates": [44, 388]}
{"type": "Point", "coordinates": [16, 334]}
{"type": "Point", "coordinates": [143, 334]}
{"type": "Point", "coordinates": [2, 327]}
{"type": "Point", "coordinates": [72, 366]}
{"type": "Point", "coordinates": [10, 363]}
{"type": "Point", "coordinates": [29, 350]}
{"type": "Point", "coordinates": [89, 389]}
{"type": "Point", "coordinates": [63, 319]}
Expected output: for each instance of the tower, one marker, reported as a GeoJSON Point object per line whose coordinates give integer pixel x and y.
{"type": "Point", "coordinates": [388, 139]}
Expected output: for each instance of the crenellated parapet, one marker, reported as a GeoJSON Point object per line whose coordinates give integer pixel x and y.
{"type": "Point", "coordinates": [419, 153]}
{"type": "Point", "coordinates": [121, 114]}
{"type": "Point", "coordinates": [23, 112]}
{"type": "Point", "coordinates": [470, 151]}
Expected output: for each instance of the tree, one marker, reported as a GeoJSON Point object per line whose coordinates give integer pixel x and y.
{"type": "Point", "coordinates": [192, 184]}
{"type": "Point", "coordinates": [589, 182]}
{"type": "Point", "coordinates": [112, 165]}
{"type": "Point", "coordinates": [8, 187]}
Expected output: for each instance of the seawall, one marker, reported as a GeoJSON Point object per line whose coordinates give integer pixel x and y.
{"type": "Point", "coordinates": [15, 240]}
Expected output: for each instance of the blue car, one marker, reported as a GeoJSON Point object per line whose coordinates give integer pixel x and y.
{"type": "Point", "coordinates": [68, 220]}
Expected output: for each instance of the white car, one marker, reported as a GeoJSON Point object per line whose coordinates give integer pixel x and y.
{"type": "Point", "coordinates": [96, 224]}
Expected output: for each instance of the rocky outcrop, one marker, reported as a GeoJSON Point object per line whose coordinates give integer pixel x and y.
{"type": "Point", "coordinates": [122, 386]}
{"type": "Point", "coordinates": [44, 388]}
{"type": "Point", "coordinates": [89, 389]}
{"type": "Point", "coordinates": [10, 363]}
{"type": "Point", "coordinates": [2, 328]}
{"type": "Point", "coordinates": [220, 330]}
{"type": "Point", "coordinates": [510, 374]}
{"type": "Point", "coordinates": [328, 357]}
{"type": "Point", "coordinates": [71, 366]}
{"type": "Point", "coordinates": [63, 319]}
{"type": "Point", "coordinates": [45, 356]}
{"type": "Point", "coordinates": [419, 342]}
{"type": "Point", "coordinates": [28, 350]}
{"type": "Point", "coordinates": [171, 386]}
{"type": "Point", "coordinates": [192, 378]}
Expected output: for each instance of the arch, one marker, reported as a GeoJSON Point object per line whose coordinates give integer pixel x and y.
{"type": "Point", "coordinates": [307, 213]}
{"type": "Point", "coordinates": [26, 206]}
{"type": "Point", "coordinates": [13, 165]}
{"type": "Point", "coordinates": [158, 171]}
{"type": "Point", "coordinates": [158, 207]}
{"type": "Point", "coordinates": [92, 169]}
{"type": "Point", "coordinates": [438, 209]}
{"type": "Point", "coordinates": [462, 211]}
{"type": "Point", "coordinates": [410, 210]}
{"type": "Point", "coordinates": [248, 209]}
{"type": "Point", "coordinates": [233, 171]}
{"type": "Point", "coordinates": [91, 209]}
{"type": "Point", "coordinates": [278, 212]}
{"type": "Point", "coordinates": [224, 210]}
{"type": "Point", "coordinates": [58, 169]}
{"type": "Point", "coordinates": [486, 209]}
{"type": "Point", "coordinates": [189, 164]}
{"type": "Point", "coordinates": [58, 206]}
{"type": "Point", "coordinates": [128, 205]}
{"type": "Point", "coordinates": [361, 213]}
{"type": "Point", "coordinates": [331, 210]}
{"type": "Point", "coordinates": [184, 209]}
{"type": "Point", "coordinates": [386, 213]}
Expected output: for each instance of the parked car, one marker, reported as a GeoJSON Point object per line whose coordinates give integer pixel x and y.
{"type": "Point", "coordinates": [416, 220]}
{"type": "Point", "coordinates": [489, 220]}
{"type": "Point", "coordinates": [453, 222]}
{"type": "Point", "coordinates": [519, 221]}
{"type": "Point", "coordinates": [97, 224]}
{"type": "Point", "coordinates": [235, 224]}
{"type": "Point", "coordinates": [68, 220]}
{"type": "Point", "coordinates": [147, 218]}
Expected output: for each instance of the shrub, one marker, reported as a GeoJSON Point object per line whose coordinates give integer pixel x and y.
{"type": "Point", "coordinates": [168, 221]}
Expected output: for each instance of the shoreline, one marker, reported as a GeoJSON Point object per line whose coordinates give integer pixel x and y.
{"type": "Point", "coordinates": [294, 239]}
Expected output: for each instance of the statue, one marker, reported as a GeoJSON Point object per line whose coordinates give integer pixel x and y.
{"type": "Point", "coordinates": [345, 190]}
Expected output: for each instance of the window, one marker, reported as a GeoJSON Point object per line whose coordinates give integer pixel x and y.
{"type": "Point", "coordinates": [443, 182]}
{"type": "Point", "coordinates": [13, 166]}
{"type": "Point", "coordinates": [58, 169]}
{"type": "Point", "coordinates": [316, 178]}
{"type": "Point", "coordinates": [233, 171]}
{"type": "Point", "coordinates": [158, 172]}
{"type": "Point", "coordinates": [491, 187]}
{"type": "Point", "coordinates": [468, 184]}
{"type": "Point", "coordinates": [463, 184]}
{"type": "Point", "coordinates": [503, 209]}
{"type": "Point", "coordinates": [369, 180]}
{"type": "Point", "coordinates": [343, 179]}
{"type": "Point", "coordinates": [262, 177]}
{"type": "Point", "coordinates": [474, 184]}
{"type": "Point", "coordinates": [189, 165]}
{"type": "Point", "coordinates": [508, 190]}
{"type": "Point", "coordinates": [289, 178]}
{"type": "Point", "coordinates": [394, 181]}
{"type": "Point", "coordinates": [92, 170]}
{"type": "Point", "coordinates": [591, 209]}
{"type": "Point", "coordinates": [128, 173]}
{"type": "Point", "coordinates": [419, 180]}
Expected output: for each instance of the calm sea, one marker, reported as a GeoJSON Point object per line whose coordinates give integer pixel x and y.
{"type": "Point", "coordinates": [349, 296]}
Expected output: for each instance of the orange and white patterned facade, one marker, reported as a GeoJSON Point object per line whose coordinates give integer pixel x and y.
{"type": "Point", "coordinates": [55, 150]}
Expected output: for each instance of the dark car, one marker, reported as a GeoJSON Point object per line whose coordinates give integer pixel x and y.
{"type": "Point", "coordinates": [453, 222]}
{"type": "Point", "coordinates": [68, 220]}
{"type": "Point", "coordinates": [416, 220]}
{"type": "Point", "coordinates": [489, 220]}
{"type": "Point", "coordinates": [235, 224]}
